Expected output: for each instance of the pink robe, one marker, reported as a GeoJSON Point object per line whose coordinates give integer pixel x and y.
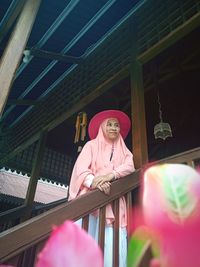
{"type": "Point", "coordinates": [95, 159]}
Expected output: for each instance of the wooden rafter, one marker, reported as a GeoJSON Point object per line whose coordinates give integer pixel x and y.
{"type": "Point", "coordinates": [22, 102]}
{"type": "Point", "coordinates": [14, 50]}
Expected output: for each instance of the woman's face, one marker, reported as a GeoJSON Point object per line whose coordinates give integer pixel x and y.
{"type": "Point", "coordinates": [112, 129]}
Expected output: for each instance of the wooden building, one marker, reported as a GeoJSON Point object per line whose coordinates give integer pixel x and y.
{"type": "Point", "coordinates": [60, 58]}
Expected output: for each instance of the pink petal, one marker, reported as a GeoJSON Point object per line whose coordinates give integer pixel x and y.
{"type": "Point", "coordinates": [70, 246]}
{"type": "Point", "coordinates": [180, 244]}
{"type": "Point", "coordinates": [155, 263]}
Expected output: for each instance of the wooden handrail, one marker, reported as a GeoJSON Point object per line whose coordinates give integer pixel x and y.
{"type": "Point", "coordinates": [38, 228]}
{"type": "Point", "coordinates": [184, 157]}
{"type": "Point", "coordinates": [35, 231]}
{"type": "Point", "coordinates": [50, 205]}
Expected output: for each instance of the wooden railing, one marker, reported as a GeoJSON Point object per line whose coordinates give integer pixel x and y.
{"type": "Point", "coordinates": [190, 157]}
{"type": "Point", "coordinates": [14, 216]}
{"type": "Point", "coordinates": [20, 244]}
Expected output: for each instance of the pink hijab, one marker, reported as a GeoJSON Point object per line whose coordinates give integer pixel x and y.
{"type": "Point", "coordinates": [95, 159]}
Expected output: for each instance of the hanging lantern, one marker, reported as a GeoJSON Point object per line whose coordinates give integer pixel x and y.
{"type": "Point", "coordinates": [162, 129]}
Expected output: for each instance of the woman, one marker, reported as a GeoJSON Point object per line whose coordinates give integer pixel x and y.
{"type": "Point", "coordinates": [103, 159]}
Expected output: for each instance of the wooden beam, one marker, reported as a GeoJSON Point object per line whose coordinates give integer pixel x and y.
{"type": "Point", "coordinates": [139, 135]}
{"type": "Point", "coordinates": [22, 102]}
{"type": "Point", "coordinates": [14, 50]}
{"type": "Point", "coordinates": [55, 56]}
{"type": "Point", "coordinates": [10, 17]}
{"type": "Point", "coordinates": [35, 173]}
{"type": "Point", "coordinates": [170, 39]}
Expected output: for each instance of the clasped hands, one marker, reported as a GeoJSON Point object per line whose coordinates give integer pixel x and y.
{"type": "Point", "coordinates": [103, 182]}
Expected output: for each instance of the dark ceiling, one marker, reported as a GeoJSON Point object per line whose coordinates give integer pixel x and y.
{"type": "Point", "coordinates": [76, 28]}
{"type": "Point", "coordinates": [73, 28]}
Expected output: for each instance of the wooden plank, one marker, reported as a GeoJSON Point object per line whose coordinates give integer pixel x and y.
{"type": "Point", "coordinates": [170, 39]}
{"type": "Point", "coordinates": [85, 223]}
{"type": "Point", "coordinates": [55, 56]}
{"type": "Point", "coordinates": [23, 102]}
{"type": "Point", "coordinates": [129, 213]}
{"type": "Point", "coordinates": [102, 222]}
{"type": "Point", "coordinates": [35, 173]}
{"type": "Point", "coordinates": [39, 247]}
{"type": "Point", "coordinates": [187, 156]}
{"type": "Point", "coordinates": [14, 50]}
{"type": "Point", "coordinates": [116, 233]}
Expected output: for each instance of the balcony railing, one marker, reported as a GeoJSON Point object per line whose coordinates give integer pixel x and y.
{"type": "Point", "coordinates": [20, 245]}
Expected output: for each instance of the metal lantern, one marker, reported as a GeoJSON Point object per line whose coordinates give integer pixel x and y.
{"type": "Point", "coordinates": [162, 129]}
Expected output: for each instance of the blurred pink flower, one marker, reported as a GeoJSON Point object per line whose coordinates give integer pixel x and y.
{"type": "Point", "coordinates": [70, 246]}
{"type": "Point", "coordinates": [155, 263]}
{"type": "Point", "coordinates": [180, 244]}
{"type": "Point", "coordinates": [171, 202]}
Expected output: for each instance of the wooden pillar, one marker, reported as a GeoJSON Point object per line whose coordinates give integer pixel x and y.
{"type": "Point", "coordinates": [139, 135]}
{"type": "Point", "coordinates": [35, 173]}
{"type": "Point", "coordinates": [14, 50]}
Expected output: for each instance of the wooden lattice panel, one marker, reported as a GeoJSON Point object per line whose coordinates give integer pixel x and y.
{"type": "Point", "coordinates": [159, 18]}
{"type": "Point", "coordinates": [55, 166]}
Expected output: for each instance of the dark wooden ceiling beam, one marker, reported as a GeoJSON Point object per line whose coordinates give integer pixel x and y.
{"type": "Point", "coordinates": [22, 102]}
{"type": "Point", "coordinates": [14, 50]}
{"type": "Point", "coordinates": [54, 56]}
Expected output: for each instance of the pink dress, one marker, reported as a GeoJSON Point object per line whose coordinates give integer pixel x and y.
{"type": "Point", "coordinates": [94, 159]}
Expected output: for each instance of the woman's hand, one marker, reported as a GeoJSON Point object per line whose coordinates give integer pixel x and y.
{"type": "Point", "coordinates": [100, 180]}
{"type": "Point", "coordinates": [105, 187]}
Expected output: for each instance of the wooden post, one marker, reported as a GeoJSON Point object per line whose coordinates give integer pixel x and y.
{"type": "Point", "coordinates": [14, 50]}
{"type": "Point", "coordinates": [35, 173]}
{"type": "Point", "coordinates": [139, 135]}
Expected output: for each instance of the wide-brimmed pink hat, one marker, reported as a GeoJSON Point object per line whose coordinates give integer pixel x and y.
{"type": "Point", "coordinates": [96, 121]}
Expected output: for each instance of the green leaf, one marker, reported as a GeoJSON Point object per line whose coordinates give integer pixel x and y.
{"type": "Point", "coordinates": [138, 245]}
